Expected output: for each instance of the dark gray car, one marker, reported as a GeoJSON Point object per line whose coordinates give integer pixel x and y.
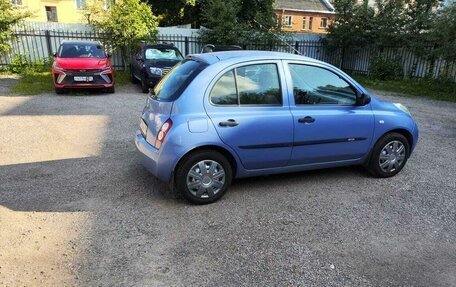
{"type": "Point", "coordinates": [149, 63]}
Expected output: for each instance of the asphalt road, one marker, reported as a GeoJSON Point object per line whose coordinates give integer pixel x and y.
{"type": "Point", "coordinates": [77, 208]}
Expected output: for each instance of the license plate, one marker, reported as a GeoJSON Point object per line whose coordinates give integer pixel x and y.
{"type": "Point", "coordinates": [83, 79]}
{"type": "Point", "coordinates": [143, 127]}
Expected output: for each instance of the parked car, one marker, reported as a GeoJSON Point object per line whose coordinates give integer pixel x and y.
{"type": "Point", "coordinates": [149, 63]}
{"type": "Point", "coordinates": [226, 115]}
{"type": "Point", "coordinates": [82, 64]}
{"type": "Point", "coordinates": [209, 48]}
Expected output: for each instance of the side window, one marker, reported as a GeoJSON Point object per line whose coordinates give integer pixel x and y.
{"type": "Point", "coordinates": [224, 91]}
{"type": "Point", "coordinates": [248, 85]}
{"type": "Point", "coordinates": [318, 86]}
{"type": "Point", "coordinates": [258, 85]}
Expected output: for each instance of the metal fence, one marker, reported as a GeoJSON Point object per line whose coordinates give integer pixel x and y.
{"type": "Point", "coordinates": [40, 45]}
{"type": "Point", "coordinates": [36, 45]}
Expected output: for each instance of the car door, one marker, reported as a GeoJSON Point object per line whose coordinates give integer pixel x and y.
{"type": "Point", "coordinates": [249, 108]}
{"type": "Point", "coordinates": [329, 125]}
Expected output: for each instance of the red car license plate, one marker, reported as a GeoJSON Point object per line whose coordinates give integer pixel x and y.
{"type": "Point", "coordinates": [83, 79]}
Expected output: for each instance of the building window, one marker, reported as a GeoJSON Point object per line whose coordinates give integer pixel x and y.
{"type": "Point", "coordinates": [288, 20]}
{"type": "Point", "coordinates": [16, 2]}
{"type": "Point", "coordinates": [304, 22]}
{"type": "Point", "coordinates": [324, 23]}
{"type": "Point", "coordinates": [51, 13]}
{"type": "Point", "coordinates": [80, 4]}
{"type": "Point", "coordinates": [310, 23]}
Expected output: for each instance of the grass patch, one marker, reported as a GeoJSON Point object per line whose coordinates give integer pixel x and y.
{"type": "Point", "coordinates": [122, 77]}
{"type": "Point", "coordinates": [34, 82]}
{"type": "Point", "coordinates": [433, 89]}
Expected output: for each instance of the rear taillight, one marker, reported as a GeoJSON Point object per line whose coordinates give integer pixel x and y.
{"type": "Point", "coordinates": [163, 132]}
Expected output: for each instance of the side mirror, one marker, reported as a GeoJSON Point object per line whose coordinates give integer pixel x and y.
{"type": "Point", "coordinates": [108, 55]}
{"type": "Point", "coordinates": [54, 55]}
{"type": "Point", "coordinates": [364, 99]}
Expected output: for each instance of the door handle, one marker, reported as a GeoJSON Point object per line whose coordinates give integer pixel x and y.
{"type": "Point", "coordinates": [229, 123]}
{"type": "Point", "coordinates": [306, 120]}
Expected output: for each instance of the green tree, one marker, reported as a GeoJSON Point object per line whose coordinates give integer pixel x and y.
{"type": "Point", "coordinates": [418, 24]}
{"type": "Point", "coordinates": [176, 12]}
{"type": "Point", "coordinates": [444, 32]}
{"type": "Point", "coordinates": [9, 16]}
{"type": "Point", "coordinates": [239, 22]}
{"type": "Point", "coordinates": [126, 22]}
{"type": "Point", "coordinates": [353, 25]}
{"type": "Point", "coordinates": [389, 22]}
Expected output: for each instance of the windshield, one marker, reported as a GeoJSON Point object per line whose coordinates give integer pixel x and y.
{"type": "Point", "coordinates": [78, 50]}
{"type": "Point", "coordinates": [162, 54]}
{"type": "Point", "coordinates": [177, 79]}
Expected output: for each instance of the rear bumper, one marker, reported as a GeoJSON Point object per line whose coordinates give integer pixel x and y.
{"type": "Point", "coordinates": [151, 159]}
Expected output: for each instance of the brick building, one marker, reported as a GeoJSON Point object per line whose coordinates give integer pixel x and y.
{"type": "Point", "coordinates": [304, 16]}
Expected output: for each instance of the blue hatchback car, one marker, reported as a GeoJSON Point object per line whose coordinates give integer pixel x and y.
{"type": "Point", "coordinates": [223, 115]}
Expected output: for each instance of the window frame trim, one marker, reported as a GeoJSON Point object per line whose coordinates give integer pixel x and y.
{"type": "Point", "coordinates": [304, 23]}
{"type": "Point", "coordinates": [280, 73]}
{"type": "Point", "coordinates": [285, 20]}
{"type": "Point", "coordinates": [76, 4]}
{"type": "Point", "coordinates": [321, 20]}
{"type": "Point", "coordinates": [291, 99]}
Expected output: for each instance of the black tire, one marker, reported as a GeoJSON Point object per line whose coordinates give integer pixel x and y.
{"type": "Point", "coordinates": [60, 91]}
{"type": "Point", "coordinates": [111, 90]}
{"type": "Point", "coordinates": [133, 79]}
{"type": "Point", "coordinates": [374, 163]}
{"type": "Point", "coordinates": [189, 162]}
{"type": "Point", "coordinates": [144, 86]}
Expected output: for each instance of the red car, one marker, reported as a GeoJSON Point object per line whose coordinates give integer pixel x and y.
{"type": "Point", "coordinates": [82, 64]}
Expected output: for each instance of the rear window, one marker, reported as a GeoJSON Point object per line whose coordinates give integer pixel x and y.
{"type": "Point", "coordinates": [177, 79]}
{"type": "Point", "coordinates": [81, 50]}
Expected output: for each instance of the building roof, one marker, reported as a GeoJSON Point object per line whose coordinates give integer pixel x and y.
{"type": "Point", "coordinates": [305, 5]}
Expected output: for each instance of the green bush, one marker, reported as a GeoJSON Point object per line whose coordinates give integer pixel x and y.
{"type": "Point", "coordinates": [18, 64]}
{"type": "Point", "coordinates": [41, 65]}
{"type": "Point", "coordinates": [21, 65]}
{"type": "Point", "coordinates": [383, 69]}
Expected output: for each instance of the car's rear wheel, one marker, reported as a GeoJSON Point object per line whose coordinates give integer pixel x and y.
{"type": "Point", "coordinates": [60, 91]}
{"type": "Point", "coordinates": [389, 155]}
{"type": "Point", "coordinates": [203, 177]}
{"type": "Point", "coordinates": [144, 86]}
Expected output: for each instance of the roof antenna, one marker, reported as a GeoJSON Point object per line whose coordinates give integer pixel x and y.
{"type": "Point", "coordinates": [281, 40]}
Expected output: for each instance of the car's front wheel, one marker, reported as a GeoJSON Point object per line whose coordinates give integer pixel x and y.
{"type": "Point", "coordinates": [389, 155]}
{"type": "Point", "coordinates": [203, 177]}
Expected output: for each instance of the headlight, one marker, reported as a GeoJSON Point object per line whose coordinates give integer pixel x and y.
{"type": "Point", "coordinates": [156, 71]}
{"type": "Point", "coordinates": [402, 108]}
{"type": "Point", "coordinates": [106, 70]}
{"type": "Point", "coordinates": [57, 68]}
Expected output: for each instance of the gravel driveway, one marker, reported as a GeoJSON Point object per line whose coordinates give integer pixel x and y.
{"type": "Point", "coordinates": [77, 208]}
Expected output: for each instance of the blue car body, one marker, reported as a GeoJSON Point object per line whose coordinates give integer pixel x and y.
{"type": "Point", "coordinates": [268, 139]}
